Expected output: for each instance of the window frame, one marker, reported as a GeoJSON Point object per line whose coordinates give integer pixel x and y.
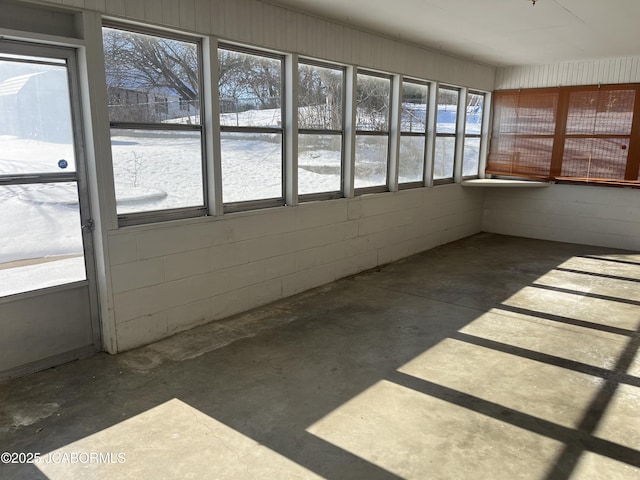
{"type": "Point", "coordinates": [332, 195]}
{"type": "Point", "coordinates": [152, 216]}
{"type": "Point", "coordinates": [425, 134]}
{"type": "Point", "coordinates": [244, 205]}
{"type": "Point", "coordinates": [373, 133]}
{"type": "Point", "coordinates": [454, 135]}
{"type": "Point", "coordinates": [478, 135]}
{"type": "Point", "coordinates": [560, 135]}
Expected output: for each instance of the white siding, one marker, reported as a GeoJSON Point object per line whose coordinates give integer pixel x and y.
{"type": "Point", "coordinates": [265, 25]}
{"type": "Point", "coordinates": [593, 72]}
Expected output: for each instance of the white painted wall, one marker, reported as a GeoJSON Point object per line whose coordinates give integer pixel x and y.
{"type": "Point", "coordinates": [158, 279]}
{"type": "Point", "coordinates": [586, 214]}
{"type": "Point", "coordinates": [167, 278]}
{"type": "Point", "coordinates": [253, 22]}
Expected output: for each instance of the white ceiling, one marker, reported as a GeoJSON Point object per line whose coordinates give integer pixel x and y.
{"type": "Point", "coordinates": [496, 32]}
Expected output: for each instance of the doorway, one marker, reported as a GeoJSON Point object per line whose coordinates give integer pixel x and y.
{"type": "Point", "coordinates": [48, 304]}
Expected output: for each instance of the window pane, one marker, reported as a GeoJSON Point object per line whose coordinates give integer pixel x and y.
{"type": "Point", "coordinates": [447, 110]}
{"type": "Point", "coordinates": [471, 160]}
{"type": "Point", "coordinates": [601, 112]}
{"type": "Point", "coordinates": [475, 109]}
{"type": "Point", "coordinates": [595, 157]}
{"type": "Point", "coordinates": [43, 223]}
{"type": "Point", "coordinates": [319, 97]}
{"type": "Point", "coordinates": [536, 113]}
{"type": "Point", "coordinates": [532, 156]}
{"type": "Point", "coordinates": [36, 132]}
{"type": "Point", "coordinates": [371, 160]}
{"type": "Point", "coordinates": [414, 107]}
{"type": "Point", "coordinates": [372, 101]}
{"type": "Point", "coordinates": [523, 125]}
{"type": "Point", "coordinates": [250, 89]}
{"type": "Point", "coordinates": [444, 157]}
{"type": "Point", "coordinates": [157, 170]}
{"type": "Point", "coordinates": [251, 166]}
{"type": "Point", "coordinates": [319, 163]}
{"type": "Point", "coordinates": [151, 79]}
{"type": "Point", "coordinates": [411, 163]}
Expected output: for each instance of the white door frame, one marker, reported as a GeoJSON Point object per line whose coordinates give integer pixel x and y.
{"type": "Point", "coordinates": [70, 55]}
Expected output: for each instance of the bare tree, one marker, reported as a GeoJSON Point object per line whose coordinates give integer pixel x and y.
{"type": "Point", "coordinates": [320, 98]}
{"type": "Point", "coordinates": [141, 68]}
{"type": "Point", "coordinates": [372, 99]}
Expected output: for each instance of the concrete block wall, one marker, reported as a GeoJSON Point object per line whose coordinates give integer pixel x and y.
{"type": "Point", "coordinates": [591, 215]}
{"type": "Point", "coordinates": [169, 277]}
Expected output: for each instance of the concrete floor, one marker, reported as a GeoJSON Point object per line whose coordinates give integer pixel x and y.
{"type": "Point", "coordinates": [489, 358]}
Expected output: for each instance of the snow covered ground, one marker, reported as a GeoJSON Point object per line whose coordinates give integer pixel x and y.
{"type": "Point", "coordinates": [37, 220]}
{"type": "Point", "coordinates": [155, 170]}
{"type": "Point", "coordinates": [41, 275]}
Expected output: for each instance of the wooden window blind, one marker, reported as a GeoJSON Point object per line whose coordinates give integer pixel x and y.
{"type": "Point", "coordinates": [577, 134]}
{"type": "Point", "coordinates": [523, 133]}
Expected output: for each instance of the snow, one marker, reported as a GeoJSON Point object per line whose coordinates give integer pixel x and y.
{"type": "Point", "coordinates": [42, 275]}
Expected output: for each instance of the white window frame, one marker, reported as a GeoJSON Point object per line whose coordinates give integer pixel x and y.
{"type": "Point", "coordinates": [389, 132]}
{"type": "Point", "coordinates": [313, 131]}
{"type": "Point", "coordinates": [479, 136]}
{"type": "Point", "coordinates": [457, 135]}
{"type": "Point", "coordinates": [136, 218]}
{"type": "Point", "coordinates": [229, 207]}
{"type": "Point", "coordinates": [425, 134]}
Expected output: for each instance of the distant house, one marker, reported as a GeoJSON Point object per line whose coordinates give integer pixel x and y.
{"type": "Point", "coordinates": [130, 104]}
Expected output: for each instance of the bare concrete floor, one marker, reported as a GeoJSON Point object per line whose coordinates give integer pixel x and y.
{"type": "Point", "coordinates": [489, 358]}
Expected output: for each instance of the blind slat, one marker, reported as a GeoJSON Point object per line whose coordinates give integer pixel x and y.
{"type": "Point", "coordinates": [596, 136]}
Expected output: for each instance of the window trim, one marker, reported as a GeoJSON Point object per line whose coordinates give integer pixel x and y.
{"type": "Point", "coordinates": [560, 135]}
{"type": "Point", "coordinates": [425, 134]}
{"type": "Point", "coordinates": [375, 188]}
{"type": "Point", "coordinates": [261, 203]}
{"type": "Point", "coordinates": [455, 135]}
{"type": "Point", "coordinates": [474, 135]}
{"type": "Point", "coordinates": [152, 216]}
{"type": "Point", "coordinates": [334, 194]}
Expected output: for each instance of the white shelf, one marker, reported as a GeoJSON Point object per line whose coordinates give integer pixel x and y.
{"type": "Point", "coordinates": [496, 182]}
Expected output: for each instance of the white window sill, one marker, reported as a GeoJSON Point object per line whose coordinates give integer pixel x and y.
{"type": "Point", "coordinates": [496, 182]}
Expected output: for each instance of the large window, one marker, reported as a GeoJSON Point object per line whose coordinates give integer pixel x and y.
{"type": "Point", "coordinates": [160, 151]}
{"type": "Point", "coordinates": [320, 130]}
{"type": "Point", "coordinates": [577, 134]}
{"type": "Point", "coordinates": [523, 131]}
{"type": "Point", "coordinates": [472, 134]}
{"type": "Point", "coordinates": [372, 130]}
{"type": "Point", "coordinates": [251, 132]}
{"type": "Point", "coordinates": [413, 128]}
{"type": "Point", "coordinates": [446, 127]}
{"type": "Point", "coordinates": [153, 85]}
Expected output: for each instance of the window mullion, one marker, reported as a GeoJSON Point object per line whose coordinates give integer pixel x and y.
{"type": "Point", "coordinates": [432, 109]}
{"type": "Point", "coordinates": [212, 126]}
{"type": "Point", "coordinates": [394, 133]}
{"type": "Point", "coordinates": [349, 131]}
{"type": "Point", "coordinates": [487, 122]}
{"type": "Point", "coordinates": [291, 129]}
{"type": "Point", "coordinates": [461, 121]}
{"type": "Point", "coordinates": [562, 112]}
